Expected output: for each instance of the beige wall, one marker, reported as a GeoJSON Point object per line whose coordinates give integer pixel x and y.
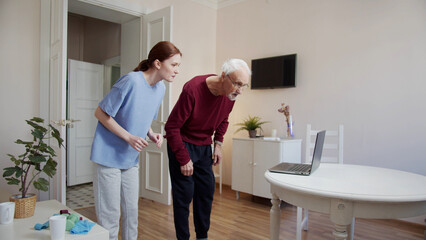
{"type": "Point", "coordinates": [360, 63]}
{"type": "Point", "coordinates": [19, 75]}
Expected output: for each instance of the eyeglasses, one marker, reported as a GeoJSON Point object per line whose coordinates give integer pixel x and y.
{"type": "Point", "coordinates": [238, 85]}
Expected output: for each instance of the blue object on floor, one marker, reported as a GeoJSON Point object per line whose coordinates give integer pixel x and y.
{"type": "Point", "coordinates": [82, 227]}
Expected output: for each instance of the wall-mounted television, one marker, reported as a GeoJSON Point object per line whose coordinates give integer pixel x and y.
{"type": "Point", "coordinates": [274, 72]}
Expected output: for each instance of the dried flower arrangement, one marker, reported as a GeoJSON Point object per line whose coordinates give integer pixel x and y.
{"type": "Point", "coordinates": [285, 109]}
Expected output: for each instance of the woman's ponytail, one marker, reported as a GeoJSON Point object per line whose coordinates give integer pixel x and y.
{"type": "Point", "coordinates": [143, 66]}
{"type": "Point", "coordinates": [161, 51]}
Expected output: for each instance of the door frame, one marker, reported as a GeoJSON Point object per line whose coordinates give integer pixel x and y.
{"type": "Point", "coordinates": [45, 21]}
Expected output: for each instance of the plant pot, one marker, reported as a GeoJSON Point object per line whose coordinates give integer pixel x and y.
{"type": "Point", "coordinates": [252, 133]}
{"type": "Point", "coordinates": [24, 207]}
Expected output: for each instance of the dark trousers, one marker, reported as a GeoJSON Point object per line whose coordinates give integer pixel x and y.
{"type": "Point", "coordinates": [199, 187]}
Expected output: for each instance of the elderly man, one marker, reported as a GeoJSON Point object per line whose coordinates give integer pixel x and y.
{"type": "Point", "coordinates": [202, 110]}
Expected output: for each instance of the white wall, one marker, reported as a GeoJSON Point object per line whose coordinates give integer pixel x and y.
{"type": "Point", "coordinates": [360, 63]}
{"type": "Point", "coordinates": [19, 76]}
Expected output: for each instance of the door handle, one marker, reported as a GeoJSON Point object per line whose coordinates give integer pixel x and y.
{"type": "Point", "coordinates": [60, 123]}
{"type": "Point", "coordinates": [70, 122]}
{"type": "Point", "coordinates": [66, 122]}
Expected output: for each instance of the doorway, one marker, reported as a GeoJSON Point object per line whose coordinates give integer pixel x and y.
{"type": "Point", "coordinates": [94, 45]}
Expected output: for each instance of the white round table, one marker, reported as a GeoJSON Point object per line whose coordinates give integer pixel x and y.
{"type": "Point", "coordinates": [345, 191]}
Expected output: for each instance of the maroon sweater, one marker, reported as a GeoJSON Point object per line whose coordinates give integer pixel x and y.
{"type": "Point", "coordinates": [195, 117]}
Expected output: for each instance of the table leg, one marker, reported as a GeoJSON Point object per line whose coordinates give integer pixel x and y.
{"type": "Point", "coordinates": [339, 232]}
{"type": "Point", "coordinates": [341, 214]}
{"type": "Point", "coordinates": [275, 217]}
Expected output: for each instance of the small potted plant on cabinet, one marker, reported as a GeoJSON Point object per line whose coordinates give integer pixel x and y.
{"type": "Point", "coordinates": [37, 158]}
{"type": "Point", "coordinates": [251, 124]}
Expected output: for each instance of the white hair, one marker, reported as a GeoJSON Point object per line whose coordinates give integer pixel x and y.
{"type": "Point", "coordinates": [233, 64]}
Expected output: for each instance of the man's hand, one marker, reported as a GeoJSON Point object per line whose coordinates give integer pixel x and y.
{"type": "Point", "coordinates": [217, 154]}
{"type": "Point", "coordinates": [137, 143]}
{"type": "Point", "coordinates": [187, 169]}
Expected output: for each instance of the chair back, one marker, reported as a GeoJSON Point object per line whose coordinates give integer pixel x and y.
{"type": "Point", "coordinates": [333, 145]}
{"type": "Point", "coordinates": [332, 153]}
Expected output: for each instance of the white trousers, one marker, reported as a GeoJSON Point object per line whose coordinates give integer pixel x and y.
{"type": "Point", "coordinates": [114, 188]}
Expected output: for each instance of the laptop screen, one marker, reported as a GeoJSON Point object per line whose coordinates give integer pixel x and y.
{"type": "Point", "coordinates": [316, 158]}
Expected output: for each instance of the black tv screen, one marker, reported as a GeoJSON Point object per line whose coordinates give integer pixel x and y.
{"type": "Point", "coordinates": [274, 72]}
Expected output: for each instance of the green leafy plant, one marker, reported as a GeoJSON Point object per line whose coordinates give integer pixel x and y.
{"type": "Point", "coordinates": [250, 123]}
{"type": "Point", "coordinates": [37, 158]}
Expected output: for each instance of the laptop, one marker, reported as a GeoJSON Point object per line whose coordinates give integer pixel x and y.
{"type": "Point", "coordinates": [300, 168]}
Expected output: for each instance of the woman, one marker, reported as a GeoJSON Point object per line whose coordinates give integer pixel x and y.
{"type": "Point", "coordinates": [125, 116]}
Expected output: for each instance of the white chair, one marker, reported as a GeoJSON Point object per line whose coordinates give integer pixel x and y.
{"type": "Point", "coordinates": [332, 153]}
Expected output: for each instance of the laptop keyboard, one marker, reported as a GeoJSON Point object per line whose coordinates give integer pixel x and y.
{"type": "Point", "coordinates": [300, 168]}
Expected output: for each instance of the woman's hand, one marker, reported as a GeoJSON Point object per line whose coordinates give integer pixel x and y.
{"type": "Point", "coordinates": [156, 137]}
{"type": "Point", "coordinates": [137, 143]}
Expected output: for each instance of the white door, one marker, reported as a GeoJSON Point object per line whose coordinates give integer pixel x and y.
{"type": "Point", "coordinates": [154, 168]}
{"type": "Point", "coordinates": [84, 93]}
{"type": "Point", "coordinates": [57, 88]}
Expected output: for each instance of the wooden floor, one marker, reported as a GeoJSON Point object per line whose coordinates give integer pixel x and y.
{"type": "Point", "coordinates": [248, 218]}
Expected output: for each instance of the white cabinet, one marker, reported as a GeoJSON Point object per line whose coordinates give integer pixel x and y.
{"type": "Point", "coordinates": [251, 157]}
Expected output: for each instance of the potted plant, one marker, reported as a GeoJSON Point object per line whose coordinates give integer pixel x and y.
{"type": "Point", "coordinates": [37, 158]}
{"type": "Point", "coordinates": [251, 124]}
